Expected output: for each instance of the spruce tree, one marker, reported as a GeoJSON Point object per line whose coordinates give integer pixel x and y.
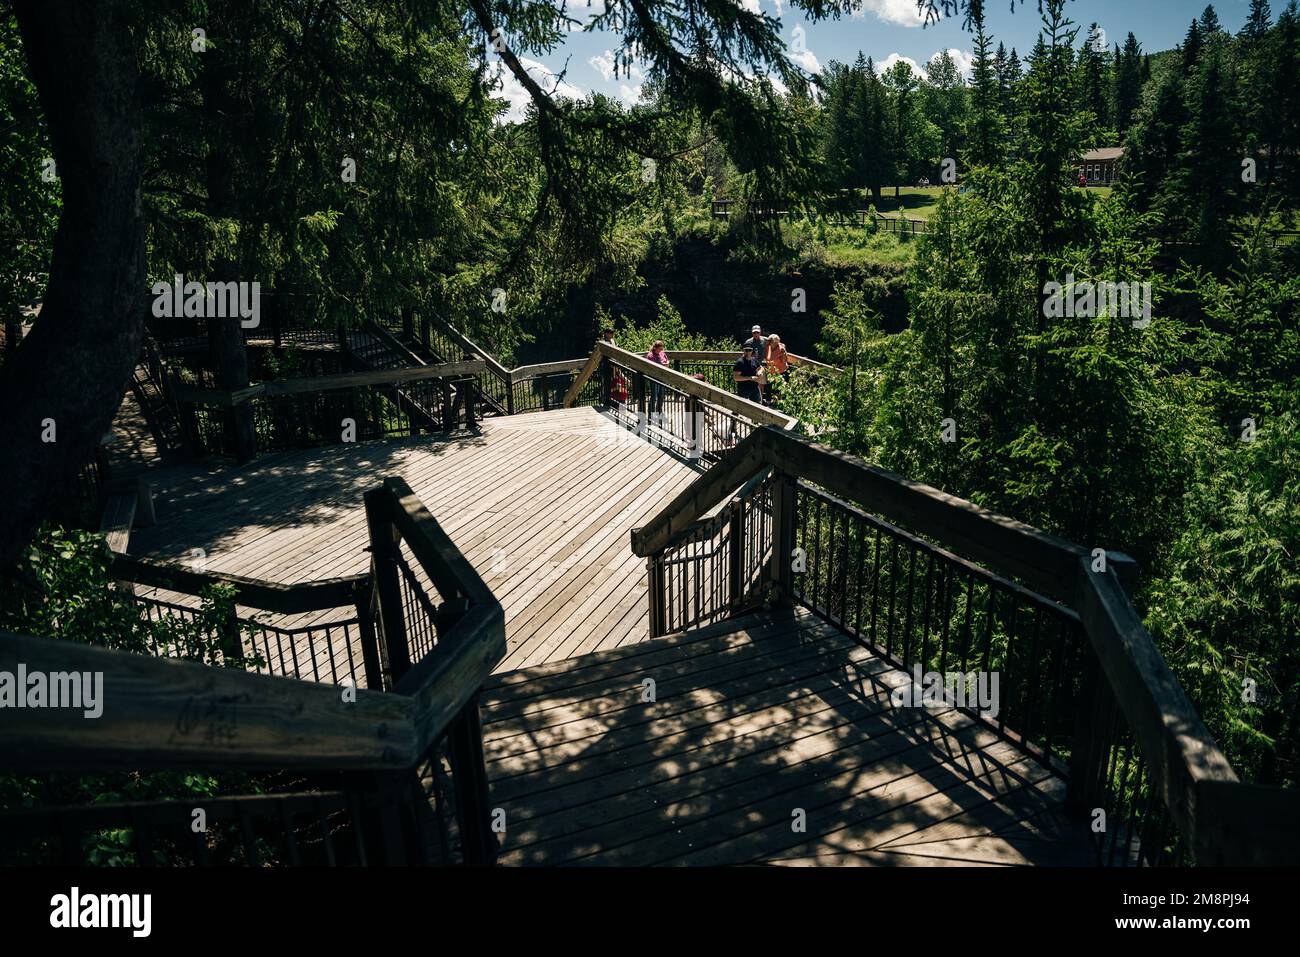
{"type": "Point", "coordinates": [1254, 64]}
{"type": "Point", "coordinates": [844, 133]}
{"type": "Point", "coordinates": [1155, 177]}
{"type": "Point", "coordinates": [877, 149]}
{"type": "Point", "coordinates": [1091, 80]}
{"type": "Point", "coordinates": [1257, 23]}
{"type": "Point", "coordinates": [984, 129]}
{"type": "Point", "coordinates": [1210, 25]}
{"type": "Point", "coordinates": [1192, 46]}
{"type": "Point", "coordinates": [1283, 137]}
{"type": "Point", "coordinates": [1210, 186]}
{"type": "Point", "coordinates": [1128, 83]}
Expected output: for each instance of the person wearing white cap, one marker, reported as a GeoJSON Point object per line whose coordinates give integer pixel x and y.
{"type": "Point", "coordinates": [758, 344]}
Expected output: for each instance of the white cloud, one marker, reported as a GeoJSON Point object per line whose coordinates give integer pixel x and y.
{"type": "Point", "coordinates": [629, 90]}
{"type": "Point", "coordinates": [903, 13]}
{"type": "Point", "coordinates": [806, 59]}
{"type": "Point", "coordinates": [513, 92]}
{"type": "Point", "coordinates": [603, 63]}
{"type": "Point", "coordinates": [888, 62]}
{"type": "Point", "coordinates": [965, 62]}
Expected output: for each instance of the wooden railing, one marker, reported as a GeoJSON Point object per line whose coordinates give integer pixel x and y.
{"type": "Point", "coordinates": [395, 775]}
{"type": "Point", "coordinates": [716, 367]}
{"type": "Point", "coordinates": [178, 335]}
{"type": "Point", "coordinates": [326, 410]}
{"type": "Point", "coordinates": [923, 578]}
{"type": "Point", "coordinates": [688, 416]}
{"type": "Point", "coordinates": [531, 388]}
{"type": "Point", "coordinates": [267, 636]}
{"type": "Point", "coordinates": [448, 344]}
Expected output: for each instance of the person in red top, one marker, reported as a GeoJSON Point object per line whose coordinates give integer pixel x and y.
{"type": "Point", "coordinates": [657, 354]}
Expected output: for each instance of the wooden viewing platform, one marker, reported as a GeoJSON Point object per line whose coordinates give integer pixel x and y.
{"type": "Point", "coordinates": [540, 504]}
{"type": "Point", "coordinates": [753, 717]}
{"type": "Point", "coordinates": [577, 642]}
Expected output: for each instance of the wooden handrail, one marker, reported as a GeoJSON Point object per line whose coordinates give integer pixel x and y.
{"type": "Point", "coordinates": [522, 373]}
{"type": "Point", "coordinates": [171, 713]}
{"type": "Point", "coordinates": [698, 355]}
{"type": "Point", "coordinates": [450, 571]}
{"type": "Point", "coordinates": [680, 381]}
{"type": "Point", "coordinates": [1045, 561]}
{"type": "Point", "coordinates": [251, 593]}
{"type": "Point", "coordinates": [229, 398]}
{"type": "Point", "coordinates": [462, 340]}
{"type": "Point", "coordinates": [701, 496]}
{"type": "Point", "coordinates": [394, 343]}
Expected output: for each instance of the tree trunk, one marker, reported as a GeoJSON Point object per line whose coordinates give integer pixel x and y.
{"type": "Point", "coordinates": [74, 366]}
{"type": "Point", "coordinates": [224, 117]}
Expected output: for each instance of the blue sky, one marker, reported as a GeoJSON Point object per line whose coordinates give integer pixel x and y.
{"type": "Point", "coordinates": [885, 30]}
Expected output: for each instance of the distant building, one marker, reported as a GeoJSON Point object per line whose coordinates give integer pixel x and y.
{"type": "Point", "coordinates": [1098, 166]}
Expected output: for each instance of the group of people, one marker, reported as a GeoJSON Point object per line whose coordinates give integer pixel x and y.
{"type": "Point", "coordinates": [761, 357]}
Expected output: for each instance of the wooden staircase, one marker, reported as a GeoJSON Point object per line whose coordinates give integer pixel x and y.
{"type": "Point", "coordinates": [149, 387]}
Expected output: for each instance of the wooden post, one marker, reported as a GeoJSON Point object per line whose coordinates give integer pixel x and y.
{"type": "Point", "coordinates": [473, 809]}
{"type": "Point", "coordinates": [384, 572]}
{"type": "Point", "coordinates": [228, 357]}
{"type": "Point", "coordinates": [736, 555]}
{"type": "Point", "coordinates": [389, 833]}
{"type": "Point", "coordinates": [471, 403]}
{"type": "Point", "coordinates": [695, 430]}
{"type": "Point", "coordinates": [784, 502]}
{"type": "Point", "coordinates": [655, 577]}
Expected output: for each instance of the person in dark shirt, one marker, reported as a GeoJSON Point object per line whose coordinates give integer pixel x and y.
{"type": "Point", "coordinates": [745, 374]}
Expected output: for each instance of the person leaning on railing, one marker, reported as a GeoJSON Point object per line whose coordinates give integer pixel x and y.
{"type": "Point", "coordinates": [745, 373]}
{"type": "Point", "coordinates": [778, 357]}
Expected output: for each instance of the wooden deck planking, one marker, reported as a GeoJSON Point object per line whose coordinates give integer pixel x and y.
{"type": "Point", "coordinates": [752, 720]}
{"type": "Point", "coordinates": [541, 504]}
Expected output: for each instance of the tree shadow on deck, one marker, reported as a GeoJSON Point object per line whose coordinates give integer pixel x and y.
{"type": "Point", "coordinates": [224, 509]}
{"type": "Point", "coordinates": [778, 744]}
